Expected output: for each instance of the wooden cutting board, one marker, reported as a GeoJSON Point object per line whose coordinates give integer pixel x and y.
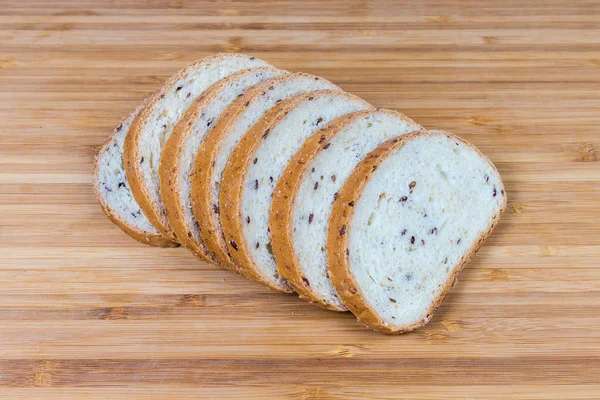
{"type": "Point", "coordinates": [88, 313]}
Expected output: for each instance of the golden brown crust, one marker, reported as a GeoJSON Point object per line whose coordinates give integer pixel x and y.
{"type": "Point", "coordinates": [235, 173]}
{"type": "Point", "coordinates": [150, 239]}
{"type": "Point", "coordinates": [170, 165]}
{"type": "Point", "coordinates": [280, 219]}
{"type": "Point", "coordinates": [230, 199]}
{"type": "Point", "coordinates": [204, 211]}
{"type": "Point", "coordinates": [337, 239]}
{"type": "Point", "coordinates": [284, 196]}
{"type": "Point", "coordinates": [168, 171]}
{"type": "Point", "coordinates": [207, 213]}
{"type": "Point", "coordinates": [131, 163]}
{"type": "Point", "coordinates": [132, 145]}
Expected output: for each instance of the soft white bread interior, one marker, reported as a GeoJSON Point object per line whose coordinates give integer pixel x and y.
{"type": "Point", "coordinates": [152, 126]}
{"type": "Point", "coordinates": [408, 219]}
{"type": "Point", "coordinates": [179, 153]}
{"type": "Point", "coordinates": [353, 139]}
{"type": "Point", "coordinates": [220, 143]}
{"type": "Point", "coordinates": [291, 123]}
{"type": "Point", "coordinates": [114, 194]}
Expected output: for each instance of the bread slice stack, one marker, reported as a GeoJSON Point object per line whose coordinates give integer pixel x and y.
{"type": "Point", "coordinates": [292, 182]}
{"type": "Point", "coordinates": [300, 214]}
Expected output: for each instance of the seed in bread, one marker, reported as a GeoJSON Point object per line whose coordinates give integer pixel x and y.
{"type": "Point", "coordinates": [300, 214]}
{"type": "Point", "coordinates": [220, 142]}
{"type": "Point", "coordinates": [114, 195]}
{"type": "Point", "coordinates": [178, 155]}
{"type": "Point", "coordinates": [152, 126]}
{"type": "Point", "coordinates": [255, 167]}
{"type": "Point", "coordinates": [407, 220]}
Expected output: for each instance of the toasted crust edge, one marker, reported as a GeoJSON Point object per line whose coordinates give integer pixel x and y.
{"type": "Point", "coordinates": [149, 239]}
{"type": "Point", "coordinates": [340, 221]}
{"type": "Point", "coordinates": [200, 177]}
{"type": "Point", "coordinates": [284, 198]}
{"type": "Point", "coordinates": [171, 161]}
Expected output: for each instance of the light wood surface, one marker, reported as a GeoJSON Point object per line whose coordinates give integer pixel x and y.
{"type": "Point", "coordinates": [88, 313]}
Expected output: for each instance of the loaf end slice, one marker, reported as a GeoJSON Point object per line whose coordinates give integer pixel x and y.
{"type": "Point", "coordinates": [113, 192]}
{"type": "Point", "coordinates": [408, 219]}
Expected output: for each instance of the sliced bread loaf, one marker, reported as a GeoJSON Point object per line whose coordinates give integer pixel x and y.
{"type": "Point", "coordinates": [220, 142]}
{"type": "Point", "coordinates": [255, 167]}
{"type": "Point", "coordinates": [178, 155]}
{"type": "Point", "coordinates": [153, 125]}
{"type": "Point", "coordinates": [114, 195]}
{"type": "Point", "coordinates": [300, 214]}
{"type": "Point", "coordinates": [407, 220]}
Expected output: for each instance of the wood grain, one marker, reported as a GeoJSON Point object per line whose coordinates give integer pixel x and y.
{"type": "Point", "coordinates": [88, 313]}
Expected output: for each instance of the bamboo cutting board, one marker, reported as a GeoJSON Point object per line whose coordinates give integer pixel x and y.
{"type": "Point", "coordinates": [88, 313]}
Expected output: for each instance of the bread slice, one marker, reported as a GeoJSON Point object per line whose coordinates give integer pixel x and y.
{"type": "Point", "coordinates": [178, 154]}
{"type": "Point", "coordinates": [255, 167]}
{"type": "Point", "coordinates": [113, 193]}
{"type": "Point", "coordinates": [407, 220]}
{"type": "Point", "coordinates": [300, 214]}
{"type": "Point", "coordinates": [220, 142]}
{"type": "Point", "coordinates": [153, 125]}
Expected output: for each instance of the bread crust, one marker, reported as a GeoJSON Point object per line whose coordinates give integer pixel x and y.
{"type": "Point", "coordinates": [133, 171]}
{"type": "Point", "coordinates": [340, 222]}
{"type": "Point", "coordinates": [284, 197]}
{"type": "Point", "coordinates": [168, 172]}
{"type": "Point", "coordinates": [280, 218]}
{"type": "Point", "coordinates": [234, 176]}
{"type": "Point", "coordinates": [132, 146]}
{"type": "Point", "coordinates": [230, 199]}
{"type": "Point", "coordinates": [157, 240]}
{"type": "Point", "coordinates": [170, 165]}
{"type": "Point", "coordinates": [207, 213]}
